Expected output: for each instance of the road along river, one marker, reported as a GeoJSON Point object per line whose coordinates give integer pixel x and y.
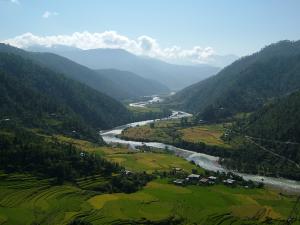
{"type": "Point", "coordinates": [205, 161]}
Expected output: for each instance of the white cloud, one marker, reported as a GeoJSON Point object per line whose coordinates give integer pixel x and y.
{"type": "Point", "coordinates": [47, 14]}
{"type": "Point", "coordinates": [143, 45]}
{"type": "Point", "coordinates": [15, 2]}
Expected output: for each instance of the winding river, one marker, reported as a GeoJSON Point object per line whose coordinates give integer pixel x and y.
{"type": "Point", "coordinates": [205, 161]}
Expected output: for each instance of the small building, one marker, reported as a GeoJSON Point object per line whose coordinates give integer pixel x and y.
{"type": "Point", "coordinates": [177, 169]}
{"type": "Point", "coordinates": [212, 178]}
{"type": "Point", "coordinates": [127, 172]}
{"type": "Point", "coordinates": [179, 182]}
{"type": "Point", "coordinates": [193, 177]}
{"type": "Point", "coordinates": [229, 181]}
{"type": "Point", "coordinates": [203, 181]}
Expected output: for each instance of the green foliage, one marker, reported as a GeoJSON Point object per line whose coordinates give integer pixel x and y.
{"type": "Point", "coordinates": [79, 222]}
{"type": "Point", "coordinates": [249, 158]}
{"type": "Point", "coordinates": [275, 127]}
{"type": "Point", "coordinates": [39, 97]}
{"type": "Point", "coordinates": [245, 85]}
{"type": "Point", "coordinates": [279, 120]}
{"type": "Point", "coordinates": [149, 113]}
{"type": "Point", "coordinates": [130, 183]}
{"type": "Point", "coordinates": [21, 150]}
{"type": "Point", "coordinates": [117, 84]}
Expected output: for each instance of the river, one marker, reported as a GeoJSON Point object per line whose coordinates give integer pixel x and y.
{"type": "Point", "coordinates": [205, 161]}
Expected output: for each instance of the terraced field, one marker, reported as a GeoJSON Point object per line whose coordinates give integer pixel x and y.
{"type": "Point", "coordinates": [34, 200]}
{"type": "Point", "coordinates": [160, 201]}
{"type": "Point", "coordinates": [26, 200]}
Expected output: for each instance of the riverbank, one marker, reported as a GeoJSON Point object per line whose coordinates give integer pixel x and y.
{"type": "Point", "coordinates": [205, 161]}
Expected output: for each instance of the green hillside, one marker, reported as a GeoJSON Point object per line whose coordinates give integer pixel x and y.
{"type": "Point", "coordinates": [40, 98]}
{"type": "Point", "coordinates": [277, 121]}
{"type": "Point", "coordinates": [246, 84]}
{"type": "Point", "coordinates": [271, 139]}
{"type": "Point", "coordinates": [99, 81]}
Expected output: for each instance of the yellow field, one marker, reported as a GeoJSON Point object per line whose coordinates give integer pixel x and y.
{"type": "Point", "coordinates": [210, 135]}
{"type": "Point", "coordinates": [149, 162]}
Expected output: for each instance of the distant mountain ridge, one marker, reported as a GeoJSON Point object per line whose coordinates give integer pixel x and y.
{"type": "Point", "coordinates": [131, 84]}
{"type": "Point", "coordinates": [96, 80]}
{"type": "Point", "coordinates": [246, 84]}
{"type": "Point", "coordinates": [174, 76]}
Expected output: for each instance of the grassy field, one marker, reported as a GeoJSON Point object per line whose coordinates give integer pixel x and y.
{"type": "Point", "coordinates": [148, 112]}
{"type": "Point", "coordinates": [166, 131]}
{"type": "Point", "coordinates": [144, 109]}
{"type": "Point", "coordinates": [150, 162]}
{"type": "Point", "coordinates": [26, 200]}
{"type": "Point", "coordinates": [133, 160]}
{"type": "Point", "coordinates": [209, 134]}
{"type": "Point", "coordinates": [160, 200]}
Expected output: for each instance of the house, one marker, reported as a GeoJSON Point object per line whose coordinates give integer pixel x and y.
{"type": "Point", "coordinates": [193, 177]}
{"type": "Point", "coordinates": [177, 169]}
{"type": "Point", "coordinates": [178, 182]}
{"type": "Point", "coordinates": [212, 178]}
{"type": "Point", "coordinates": [203, 181]}
{"type": "Point", "coordinates": [229, 181]}
{"type": "Point", "coordinates": [127, 172]}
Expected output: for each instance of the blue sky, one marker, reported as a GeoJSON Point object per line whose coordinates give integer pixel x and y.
{"type": "Point", "coordinates": [227, 26]}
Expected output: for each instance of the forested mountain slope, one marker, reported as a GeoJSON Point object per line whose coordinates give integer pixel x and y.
{"type": "Point", "coordinates": [246, 84]}
{"type": "Point", "coordinates": [271, 140]}
{"type": "Point", "coordinates": [98, 81]}
{"type": "Point", "coordinates": [40, 98]}
{"type": "Point", "coordinates": [277, 121]}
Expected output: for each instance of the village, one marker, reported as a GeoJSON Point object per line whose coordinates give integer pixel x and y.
{"type": "Point", "coordinates": [209, 178]}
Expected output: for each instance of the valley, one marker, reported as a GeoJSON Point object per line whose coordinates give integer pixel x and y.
{"type": "Point", "coordinates": [39, 201]}
{"type": "Point", "coordinates": [144, 134]}
{"type": "Point", "coordinates": [149, 112]}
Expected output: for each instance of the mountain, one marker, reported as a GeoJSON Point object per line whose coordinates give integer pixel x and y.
{"type": "Point", "coordinates": [38, 97]}
{"type": "Point", "coordinates": [279, 120]}
{"type": "Point", "coordinates": [131, 84]}
{"type": "Point", "coordinates": [174, 76]}
{"type": "Point", "coordinates": [245, 85]}
{"type": "Point", "coordinates": [99, 81]}
{"type": "Point", "coordinates": [271, 140]}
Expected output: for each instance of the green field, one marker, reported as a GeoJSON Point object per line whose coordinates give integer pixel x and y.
{"type": "Point", "coordinates": [25, 200]}
{"type": "Point", "coordinates": [167, 131]}
{"type": "Point", "coordinates": [133, 160]}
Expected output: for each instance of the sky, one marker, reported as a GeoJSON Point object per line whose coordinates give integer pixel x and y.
{"type": "Point", "coordinates": [183, 29]}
